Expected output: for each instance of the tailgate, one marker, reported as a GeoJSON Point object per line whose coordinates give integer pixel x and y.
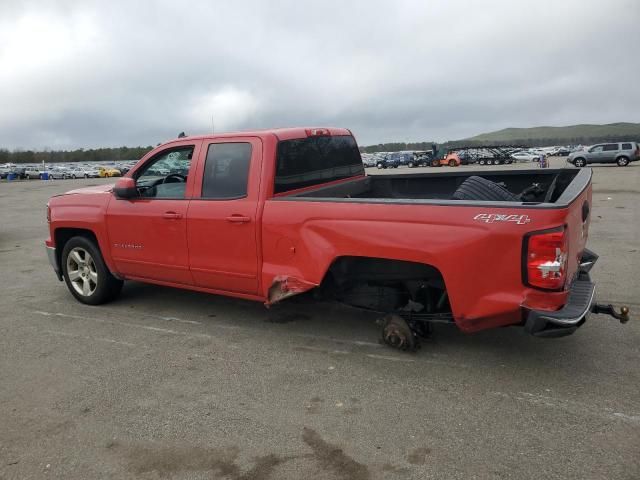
{"type": "Point", "coordinates": [577, 223]}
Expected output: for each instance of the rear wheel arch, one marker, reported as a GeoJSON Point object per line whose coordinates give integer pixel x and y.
{"type": "Point", "coordinates": [346, 273]}
{"type": "Point", "coordinates": [622, 160]}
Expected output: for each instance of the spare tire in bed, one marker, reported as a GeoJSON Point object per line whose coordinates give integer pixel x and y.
{"type": "Point", "coordinates": [478, 188]}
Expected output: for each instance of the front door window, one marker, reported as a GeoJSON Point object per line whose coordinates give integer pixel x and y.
{"type": "Point", "coordinates": [166, 175]}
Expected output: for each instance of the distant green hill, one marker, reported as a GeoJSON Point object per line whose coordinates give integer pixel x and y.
{"type": "Point", "coordinates": [572, 134]}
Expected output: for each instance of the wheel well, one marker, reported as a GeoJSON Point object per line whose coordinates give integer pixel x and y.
{"type": "Point", "coordinates": [63, 235]}
{"type": "Point", "coordinates": [385, 284]}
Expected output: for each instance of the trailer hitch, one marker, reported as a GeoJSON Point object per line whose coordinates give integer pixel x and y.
{"type": "Point", "coordinates": [609, 309]}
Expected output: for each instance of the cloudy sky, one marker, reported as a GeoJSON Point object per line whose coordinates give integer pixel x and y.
{"type": "Point", "coordinates": [95, 73]}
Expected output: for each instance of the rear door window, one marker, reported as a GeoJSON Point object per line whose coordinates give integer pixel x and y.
{"type": "Point", "coordinates": [226, 170]}
{"type": "Point", "coordinates": [314, 160]}
{"type": "Point", "coordinates": [626, 146]}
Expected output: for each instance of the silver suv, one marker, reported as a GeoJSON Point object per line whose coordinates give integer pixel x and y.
{"type": "Point", "coordinates": [621, 153]}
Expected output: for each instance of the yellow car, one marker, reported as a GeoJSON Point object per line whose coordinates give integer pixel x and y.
{"type": "Point", "coordinates": [109, 172]}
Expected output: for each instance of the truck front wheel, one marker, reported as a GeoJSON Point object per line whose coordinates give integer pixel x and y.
{"type": "Point", "coordinates": [85, 273]}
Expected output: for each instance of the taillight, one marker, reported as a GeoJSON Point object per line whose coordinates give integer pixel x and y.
{"type": "Point", "coordinates": [317, 132]}
{"type": "Point", "coordinates": [545, 263]}
{"type": "Point", "coordinates": [48, 214]}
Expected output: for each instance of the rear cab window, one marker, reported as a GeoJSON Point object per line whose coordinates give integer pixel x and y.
{"type": "Point", "coordinates": [305, 162]}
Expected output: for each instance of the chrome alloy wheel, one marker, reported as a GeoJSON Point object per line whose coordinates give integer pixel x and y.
{"type": "Point", "coordinates": [82, 272]}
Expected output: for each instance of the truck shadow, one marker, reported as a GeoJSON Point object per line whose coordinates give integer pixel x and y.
{"type": "Point", "coordinates": [305, 316]}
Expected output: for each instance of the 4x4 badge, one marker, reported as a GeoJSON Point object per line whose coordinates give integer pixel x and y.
{"type": "Point", "coordinates": [498, 217]}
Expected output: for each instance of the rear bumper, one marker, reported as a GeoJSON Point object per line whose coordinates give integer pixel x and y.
{"type": "Point", "coordinates": [565, 321]}
{"type": "Point", "coordinates": [580, 302]}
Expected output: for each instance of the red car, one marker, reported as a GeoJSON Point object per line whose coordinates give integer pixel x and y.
{"type": "Point", "coordinates": [270, 214]}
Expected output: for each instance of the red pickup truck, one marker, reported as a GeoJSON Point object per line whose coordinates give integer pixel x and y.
{"type": "Point", "coordinates": [269, 214]}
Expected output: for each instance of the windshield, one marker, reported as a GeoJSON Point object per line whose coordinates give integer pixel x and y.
{"type": "Point", "coordinates": [310, 161]}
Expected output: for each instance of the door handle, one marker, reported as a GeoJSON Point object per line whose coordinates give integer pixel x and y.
{"type": "Point", "coordinates": [238, 219]}
{"type": "Point", "coordinates": [171, 215]}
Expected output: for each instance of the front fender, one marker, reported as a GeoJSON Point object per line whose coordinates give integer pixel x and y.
{"type": "Point", "coordinates": [84, 212]}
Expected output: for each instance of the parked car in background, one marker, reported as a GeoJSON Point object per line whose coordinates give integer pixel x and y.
{"type": "Point", "coordinates": [20, 172]}
{"type": "Point", "coordinates": [420, 159]}
{"type": "Point", "coordinates": [561, 152]}
{"type": "Point", "coordinates": [368, 160]}
{"type": "Point", "coordinates": [620, 153]}
{"type": "Point", "coordinates": [525, 157]}
{"type": "Point", "coordinates": [33, 173]}
{"type": "Point", "coordinates": [109, 172]}
{"type": "Point", "coordinates": [394, 160]}
{"type": "Point", "coordinates": [83, 172]}
{"type": "Point", "coordinates": [466, 157]}
{"type": "Point", "coordinates": [58, 173]}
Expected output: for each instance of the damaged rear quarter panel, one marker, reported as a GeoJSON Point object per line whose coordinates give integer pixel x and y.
{"type": "Point", "coordinates": [480, 262]}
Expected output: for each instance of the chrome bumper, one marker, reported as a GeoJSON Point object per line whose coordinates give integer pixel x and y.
{"type": "Point", "coordinates": [53, 260]}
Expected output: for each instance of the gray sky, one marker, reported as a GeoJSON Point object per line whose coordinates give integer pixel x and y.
{"type": "Point", "coordinates": [86, 74]}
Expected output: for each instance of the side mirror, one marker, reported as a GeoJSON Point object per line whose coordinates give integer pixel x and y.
{"type": "Point", "coordinates": [125, 188]}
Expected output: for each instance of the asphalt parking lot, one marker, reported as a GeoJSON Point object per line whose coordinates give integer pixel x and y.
{"type": "Point", "coordinates": [165, 383]}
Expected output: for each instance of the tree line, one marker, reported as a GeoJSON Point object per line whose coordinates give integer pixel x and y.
{"type": "Point", "coordinates": [70, 156]}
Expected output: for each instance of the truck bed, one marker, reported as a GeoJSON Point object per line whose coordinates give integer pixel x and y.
{"type": "Point", "coordinates": [438, 188]}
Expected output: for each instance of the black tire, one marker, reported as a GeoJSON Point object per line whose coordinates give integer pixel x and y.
{"type": "Point", "coordinates": [435, 163]}
{"type": "Point", "coordinates": [379, 165]}
{"type": "Point", "coordinates": [579, 162]}
{"type": "Point", "coordinates": [479, 188]}
{"type": "Point", "coordinates": [452, 163]}
{"type": "Point", "coordinates": [481, 161]}
{"type": "Point", "coordinates": [107, 287]}
{"type": "Point", "coordinates": [410, 165]}
{"type": "Point", "coordinates": [622, 161]}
